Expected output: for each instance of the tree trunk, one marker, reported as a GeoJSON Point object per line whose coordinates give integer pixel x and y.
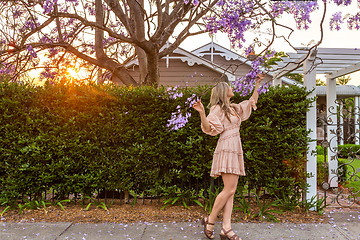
{"type": "Point", "coordinates": [138, 23]}
{"type": "Point", "coordinates": [143, 64]}
{"type": "Point", "coordinates": [119, 74]}
{"type": "Point", "coordinates": [99, 34]}
{"type": "Point", "coordinates": [153, 76]}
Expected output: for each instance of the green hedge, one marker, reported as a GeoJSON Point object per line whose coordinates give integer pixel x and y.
{"type": "Point", "coordinates": [80, 139]}
{"type": "Point", "coordinates": [275, 140]}
{"type": "Point", "coordinates": [348, 150]}
{"type": "Point", "coordinates": [344, 151]}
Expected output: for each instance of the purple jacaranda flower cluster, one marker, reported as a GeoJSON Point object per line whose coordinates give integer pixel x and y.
{"type": "Point", "coordinates": [180, 117]}
{"type": "Point", "coordinates": [91, 8]}
{"type": "Point", "coordinates": [264, 88]}
{"type": "Point", "coordinates": [302, 12]}
{"type": "Point", "coordinates": [53, 52]}
{"type": "Point", "coordinates": [233, 19]}
{"type": "Point", "coordinates": [249, 50]}
{"type": "Point", "coordinates": [7, 69]}
{"type": "Point", "coordinates": [354, 21]}
{"type": "Point", "coordinates": [109, 40]}
{"type": "Point", "coordinates": [46, 39]}
{"type": "Point", "coordinates": [18, 13]}
{"type": "Point", "coordinates": [48, 74]}
{"type": "Point", "coordinates": [174, 92]}
{"type": "Point", "coordinates": [245, 85]}
{"type": "Point", "coordinates": [195, 2]}
{"type": "Point", "coordinates": [178, 120]}
{"type": "Point", "coordinates": [241, 86]}
{"type": "Point", "coordinates": [29, 25]}
{"type": "Point", "coordinates": [48, 6]}
{"type": "Point", "coordinates": [176, 95]}
{"type": "Point", "coordinates": [342, 2]}
{"type": "Point", "coordinates": [30, 49]}
{"type": "Point", "coordinates": [335, 21]}
{"type": "Point", "coordinates": [300, 9]}
{"type": "Point", "coordinates": [278, 8]}
{"type": "Point", "coordinates": [191, 101]}
{"type": "Point", "coordinates": [269, 54]}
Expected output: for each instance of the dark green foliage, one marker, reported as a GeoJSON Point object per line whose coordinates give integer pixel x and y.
{"type": "Point", "coordinates": [81, 139]}
{"type": "Point", "coordinates": [265, 211]}
{"type": "Point", "coordinates": [275, 139]}
{"type": "Point", "coordinates": [348, 150]}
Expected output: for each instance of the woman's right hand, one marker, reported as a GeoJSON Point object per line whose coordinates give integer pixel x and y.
{"type": "Point", "coordinates": [198, 106]}
{"type": "Point", "coordinates": [260, 77]}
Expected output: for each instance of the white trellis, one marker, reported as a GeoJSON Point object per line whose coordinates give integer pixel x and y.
{"type": "Point", "coordinates": [334, 63]}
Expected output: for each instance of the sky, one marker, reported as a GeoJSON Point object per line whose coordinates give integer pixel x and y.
{"type": "Point", "coordinates": [344, 38]}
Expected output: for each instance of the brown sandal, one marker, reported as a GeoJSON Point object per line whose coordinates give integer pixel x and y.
{"type": "Point", "coordinates": [226, 237]}
{"type": "Point", "coordinates": [209, 234]}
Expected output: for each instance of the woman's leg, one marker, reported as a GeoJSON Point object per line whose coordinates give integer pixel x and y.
{"type": "Point", "coordinates": [227, 217]}
{"type": "Point", "coordinates": [227, 213]}
{"type": "Point", "coordinates": [227, 194]}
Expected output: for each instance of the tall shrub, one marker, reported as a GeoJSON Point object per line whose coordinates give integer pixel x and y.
{"type": "Point", "coordinates": [275, 140]}
{"type": "Point", "coordinates": [79, 139]}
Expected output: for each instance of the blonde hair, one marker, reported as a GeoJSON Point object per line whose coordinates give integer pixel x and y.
{"type": "Point", "coordinates": [219, 96]}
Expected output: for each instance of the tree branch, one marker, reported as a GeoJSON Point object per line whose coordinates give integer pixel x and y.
{"type": "Point", "coordinates": [94, 24]}
{"type": "Point", "coordinates": [58, 23]}
{"type": "Point", "coordinates": [118, 11]}
{"type": "Point", "coordinates": [99, 34]}
{"type": "Point", "coordinates": [186, 32]}
{"type": "Point", "coordinates": [37, 29]}
{"type": "Point", "coordinates": [172, 19]}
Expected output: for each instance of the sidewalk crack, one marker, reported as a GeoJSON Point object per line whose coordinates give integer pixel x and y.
{"type": "Point", "coordinates": [64, 231]}
{"type": "Point", "coordinates": [342, 232]}
{"type": "Point", "coordinates": [142, 235]}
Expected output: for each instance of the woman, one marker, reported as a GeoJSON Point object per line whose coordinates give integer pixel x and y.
{"type": "Point", "coordinates": [225, 119]}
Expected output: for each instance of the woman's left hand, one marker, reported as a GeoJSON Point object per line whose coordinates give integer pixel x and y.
{"type": "Point", "coordinates": [198, 106]}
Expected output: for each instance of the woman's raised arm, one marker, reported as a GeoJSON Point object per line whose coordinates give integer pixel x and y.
{"type": "Point", "coordinates": [198, 106]}
{"type": "Point", "coordinates": [255, 94]}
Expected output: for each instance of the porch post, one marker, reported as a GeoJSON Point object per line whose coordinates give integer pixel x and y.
{"type": "Point", "coordinates": [277, 81]}
{"type": "Point", "coordinates": [341, 123]}
{"type": "Point", "coordinates": [357, 140]}
{"type": "Point", "coordinates": [212, 50]}
{"type": "Point", "coordinates": [331, 129]}
{"type": "Point", "coordinates": [311, 165]}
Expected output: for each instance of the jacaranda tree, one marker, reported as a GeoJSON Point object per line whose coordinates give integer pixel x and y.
{"type": "Point", "coordinates": [105, 35]}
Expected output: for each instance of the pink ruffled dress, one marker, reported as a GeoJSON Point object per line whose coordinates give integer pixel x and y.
{"type": "Point", "coordinates": [228, 155]}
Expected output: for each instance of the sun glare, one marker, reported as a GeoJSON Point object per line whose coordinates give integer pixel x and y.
{"type": "Point", "coordinates": [73, 73]}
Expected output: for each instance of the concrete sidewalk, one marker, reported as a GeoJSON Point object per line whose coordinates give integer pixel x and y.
{"type": "Point", "coordinates": [341, 226]}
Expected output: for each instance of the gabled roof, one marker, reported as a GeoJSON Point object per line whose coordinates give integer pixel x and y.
{"type": "Point", "coordinates": [190, 58]}
{"type": "Point", "coordinates": [212, 48]}
{"type": "Point", "coordinates": [219, 50]}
